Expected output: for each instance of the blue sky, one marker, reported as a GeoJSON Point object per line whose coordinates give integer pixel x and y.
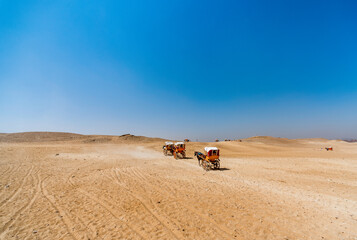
{"type": "Point", "coordinates": [177, 69]}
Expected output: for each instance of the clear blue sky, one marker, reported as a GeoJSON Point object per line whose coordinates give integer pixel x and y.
{"type": "Point", "coordinates": [177, 69]}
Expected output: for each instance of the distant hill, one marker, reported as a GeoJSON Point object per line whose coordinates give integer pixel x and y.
{"type": "Point", "coordinates": [266, 139]}
{"type": "Point", "coordinates": [38, 136]}
{"type": "Point", "coordinates": [283, 141]}
{"type": "Point", "coordinates": [63, 136]}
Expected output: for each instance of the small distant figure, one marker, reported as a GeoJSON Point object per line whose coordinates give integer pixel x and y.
{"type": "Point", "coordinates": [217, 140]}
{"type": "Point", "coordinates": [329, 148]}
{"type": "Point", "coordinates": [186, 140]}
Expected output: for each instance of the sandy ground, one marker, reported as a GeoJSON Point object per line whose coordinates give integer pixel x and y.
{"type": "Point", "coordinates": [98, 187]}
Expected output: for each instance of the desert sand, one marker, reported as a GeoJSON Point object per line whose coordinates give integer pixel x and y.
{"type": "Point", "coordinates": [70, 186]}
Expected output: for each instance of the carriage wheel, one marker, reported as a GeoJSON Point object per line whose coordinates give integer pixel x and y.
{"type": "Point", "coordinates": [217, 165]}
{"type": "Point", "coordinates": [206, 165]}
{"type": "Point", "coordinates": [209, 165]}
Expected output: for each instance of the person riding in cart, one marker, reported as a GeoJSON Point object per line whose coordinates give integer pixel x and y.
{"type": "Point", "coordinates": [179, 150]}
{"type": "Point", "coordinates": [210, 159]}
{"type": "Point", "coordinates": [168, 147]}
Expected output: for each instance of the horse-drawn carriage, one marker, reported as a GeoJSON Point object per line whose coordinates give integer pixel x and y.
{"type": "Point", "coordinates": [179, 150]}
{"type": "Point", "coordinates": [209, 160]}
{"type": "Point", "coordinates": [329, 148]}
{"type": "Point", "coordinates": [168, 148]}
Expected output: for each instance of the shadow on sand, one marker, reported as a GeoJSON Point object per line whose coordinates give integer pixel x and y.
{"type": "Point", "coordinates": [222, 169]}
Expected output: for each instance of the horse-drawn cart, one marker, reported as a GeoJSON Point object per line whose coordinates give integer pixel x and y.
{"type": "Point", "coordinates": [209, 160]}
{"type": "Point", "coordinates": [168, 148]}
{"type": "Point", "coordinates": [179, 150]}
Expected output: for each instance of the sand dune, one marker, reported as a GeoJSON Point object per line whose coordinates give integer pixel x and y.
{"type": "Point", "coordinates": [61, 136]}
{"type": "Point", "coordinates": [38, 136]}
{"type": "Point", "coordinates": [71, 186]}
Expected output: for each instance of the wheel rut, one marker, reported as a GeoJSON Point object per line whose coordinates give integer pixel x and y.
{"type": "Point", "coordinates": [19, 189]}
{"type": "Point", "coordinates": [136, 174]}
{"type": "Point", "coordinates": [6, 170]}
{"type": "Point", "coordinates": [65, 219]}
{"type": "Point", "coordinates": [159, 218]}
{"type": "Point", "coordinates": [9, 174]}
{"type": "Point", "coordinates": [108, 209]}
{"type": "Point", "coordinates": [27, 206]}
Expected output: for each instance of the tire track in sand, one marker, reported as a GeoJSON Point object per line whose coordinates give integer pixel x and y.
{"type": "Point", "coordinates": [107, 208]}
{"type": "Point", "coordinates": [156, 216]}
{"type": "Point", "coordinates": [112, 178]}
{"type": "Point", "coordinates": [6, 170]}
{"type": "Point", "coordinates": [65, 219]}
{"type": "Point", "coordinates": [139, 175]}
{"type": "Point", "coordinates": [28, 205]}
{"type": "Point", "coordinates": [18, 189]}
{"type": "Point", "coordinates": [168, 219]}
{"type": "Point", "coordinates": [10, 173]}
{"type": "Point", "coordinates": [69, 181]}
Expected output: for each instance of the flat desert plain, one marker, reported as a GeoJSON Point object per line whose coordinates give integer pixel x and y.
{"type": "Point", "coordinates": [68, 186]}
